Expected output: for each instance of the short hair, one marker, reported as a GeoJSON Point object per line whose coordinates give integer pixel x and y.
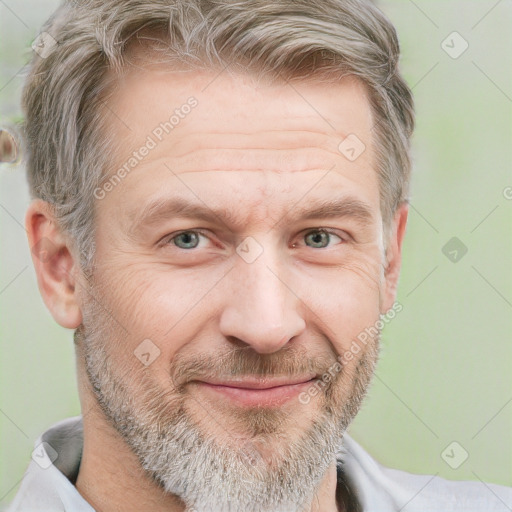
{"type": "Point", "coordinates": [67, 143]}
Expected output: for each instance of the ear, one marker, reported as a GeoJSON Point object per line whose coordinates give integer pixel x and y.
{"type": "Point", "coordinates": [394, 256]}
{"type": "Point", "coordinates": [54, 264]}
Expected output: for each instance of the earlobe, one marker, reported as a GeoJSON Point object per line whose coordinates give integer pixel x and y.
{"type": "Point", "coordinates": [54, 264]}
{"type": "Point", "coordinates": [394, 256]}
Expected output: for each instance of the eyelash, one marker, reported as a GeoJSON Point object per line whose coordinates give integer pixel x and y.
{"type": "Point", "coordinates": [168, 239]}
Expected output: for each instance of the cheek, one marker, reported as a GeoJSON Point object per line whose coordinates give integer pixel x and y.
{"type": "Point", "coordinates": [345, 301]}
{"type": "Point", "coordinates": [165, 306]}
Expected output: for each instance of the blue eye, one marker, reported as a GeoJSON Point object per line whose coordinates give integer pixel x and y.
{"type": "Point", "coordinates": [187, 240]}
{"type": "Point", "coordinates": [319, 238]}
{"type": "Point", "coordinates": [316, 239]}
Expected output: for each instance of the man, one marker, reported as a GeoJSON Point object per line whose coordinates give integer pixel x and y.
{"type": "Point", "coordinates": [220, 199]}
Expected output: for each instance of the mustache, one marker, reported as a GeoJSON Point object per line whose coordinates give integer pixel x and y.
{"type": "Point", "coordinates": [239, 362]}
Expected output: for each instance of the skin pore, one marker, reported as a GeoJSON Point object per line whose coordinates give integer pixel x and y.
{"type": "Point", "coordinates": [257, 172]}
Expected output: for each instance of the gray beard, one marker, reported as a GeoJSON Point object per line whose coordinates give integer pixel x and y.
{"type": "Point", "coordinates": [210, 476]}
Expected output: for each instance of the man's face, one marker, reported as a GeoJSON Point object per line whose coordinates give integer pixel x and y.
{"type": "Point", "coordinates": [237, 261]}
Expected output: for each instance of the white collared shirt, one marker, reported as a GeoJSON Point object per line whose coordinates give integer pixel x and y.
{"type": "Point", "coordinates": [48, 484]}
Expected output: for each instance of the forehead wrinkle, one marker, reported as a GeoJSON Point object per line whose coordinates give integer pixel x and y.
{"type": "Point", "coordinates": [279, 139]}
{"type": "Point", "coordinates": [278, 161]}
{"type": "Point", "coordinates": [261, 170]}
{"type": "Point", "coordinates": [263, 151]}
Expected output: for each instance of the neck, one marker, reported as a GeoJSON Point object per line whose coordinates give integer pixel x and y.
{"type": "Point", "coordinates": [111, 478]}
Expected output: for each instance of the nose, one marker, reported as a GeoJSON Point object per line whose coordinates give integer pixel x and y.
{"type": "Point", "coordinates": [262, 310]}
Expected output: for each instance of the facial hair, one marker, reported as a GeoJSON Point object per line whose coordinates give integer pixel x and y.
{"type": "Point", "coordinates": [231, 474]}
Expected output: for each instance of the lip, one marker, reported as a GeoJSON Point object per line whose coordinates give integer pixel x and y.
{"type": "Point", "coordinates": [257, 392]}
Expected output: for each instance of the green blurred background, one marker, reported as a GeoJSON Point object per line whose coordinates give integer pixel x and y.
{"type": "Point", "coordinates": [445, 371]}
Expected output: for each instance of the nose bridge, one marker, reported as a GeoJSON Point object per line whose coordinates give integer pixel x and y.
{"type": "Point", "coordinates": [261, 310]}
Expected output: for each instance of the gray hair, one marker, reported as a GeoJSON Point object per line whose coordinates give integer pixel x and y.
{"type": "Point", "coordinates": [68, 145]}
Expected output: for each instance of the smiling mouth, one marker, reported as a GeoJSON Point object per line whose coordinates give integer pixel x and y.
{"type": "Point", "coordinates": [257, 392]}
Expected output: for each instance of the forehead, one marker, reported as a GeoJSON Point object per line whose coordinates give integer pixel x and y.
{"type": "Point", "coordinates": [148, 93]}
{"type": "Point", "coordinates": [241, 135]}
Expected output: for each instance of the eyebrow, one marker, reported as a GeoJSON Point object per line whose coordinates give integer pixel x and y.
{"type": "Point", "coordinates": [163, 209]}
